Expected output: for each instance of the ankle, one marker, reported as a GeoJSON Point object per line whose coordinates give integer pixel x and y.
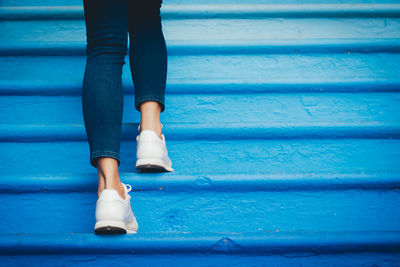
{"type": "Point", "coordinates": [112, 185]}
{"type": "Point", "coordinates": [152, 126]}
{"type": "Point", "coordinates": [150, 116]}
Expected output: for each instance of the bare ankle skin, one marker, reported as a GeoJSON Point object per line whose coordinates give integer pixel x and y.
{"type": "Point", "coordinates": [150, 116]}
{"type": "Point", "coordinates": [107, 169]}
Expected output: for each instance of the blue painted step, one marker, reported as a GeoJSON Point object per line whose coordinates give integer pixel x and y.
{"type": "Point", "coordinates": [204, 156]}
{"type": "Point", "coordinates": [207, 209]}
{"type": "Point", "coordinates": [284, 133]}
{"type": "Point", "coordinates": [271, 110]}
{"type": "Point", "coordinates": [217, 29]}
{"type": "Point", "coordinates": [220, 74]}
{"type": "Point", "coordinates": [272, 249]}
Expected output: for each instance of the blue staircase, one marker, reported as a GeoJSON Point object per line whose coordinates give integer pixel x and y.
{"type": "Point", "coordinates": [282, 122]}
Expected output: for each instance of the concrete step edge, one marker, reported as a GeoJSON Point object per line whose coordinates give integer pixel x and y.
{"type": "Point", "coordinates": [211, 243]}
{"type": "Point", "coordinates": [207, 131]}
{"type": "Point", "coordinates": [188, 47]}
{"type": "Point", "coordinates": [74, 88]}
{"type": "Point", "coordinates": [230, 182]}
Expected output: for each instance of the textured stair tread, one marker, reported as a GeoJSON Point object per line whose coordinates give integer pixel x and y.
{"type": "Point", "coordinates": [237, 73]}
{"type": "Point", "coordinates": [217, 29]}
{"type": "Point", "coordinates": [213, 29]}
{"type": "Point", "coordinates": [316, 242]}
{"type": "Point", "coordinates": [193, 156]}
{"type": "Point", "coordinates": [204, 211]}
{"type": "Point", "coordinates": [274, 109]}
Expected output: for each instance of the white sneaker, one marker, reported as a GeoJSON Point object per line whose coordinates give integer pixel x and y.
{"type": "Point", "coordinates": [114, 215]}
{"type": "Point", "coordinates": [151, 152]}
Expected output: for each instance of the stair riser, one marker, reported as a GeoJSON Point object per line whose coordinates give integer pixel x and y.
{"type": "Point", "coordinates": [301, 109]}
{"type": "Point", "coordinates": [218, 29]}
{"type": "Point", "coordinates": [200, 212]}
{"type": "Point", "coordinates": [220, 73]}
{"type": "Point", "coordinates": [243, 156]}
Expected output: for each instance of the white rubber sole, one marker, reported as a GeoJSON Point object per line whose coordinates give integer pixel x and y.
{"type": "Point", "coordinates": [112, 227]}
{"type": "Point", "coordinates": [152, 165]}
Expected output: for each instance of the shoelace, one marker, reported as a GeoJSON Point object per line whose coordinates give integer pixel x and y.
{"type": "Point", "coordinates": [128, 187]}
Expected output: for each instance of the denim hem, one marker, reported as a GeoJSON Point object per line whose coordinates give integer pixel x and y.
{"type": "Point", "coordinates": [103, 153]}
{"type": "Point", "coordinates": [140, 100]}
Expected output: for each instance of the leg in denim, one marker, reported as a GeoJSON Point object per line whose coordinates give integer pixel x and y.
{"type": "Point", "coordinates": [107, 25]}
{"type": "Point", "coordinates": [102, 95]}
{"type": "Point", "coordinates": [147, 51]}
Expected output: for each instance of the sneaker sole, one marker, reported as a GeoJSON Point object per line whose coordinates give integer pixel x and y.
{"type": "Point", "coordinates": [107, 230]}
{"type": "Point", "coordinates": [152, 165]}
{"type": "Point", "coordinates": [111, 227]}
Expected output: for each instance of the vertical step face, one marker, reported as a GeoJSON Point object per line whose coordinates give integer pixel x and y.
{"type": "Point", "coordinates": [219, 29]}
{"type": "Point", "coordinates": [220, 74]}
{"type": "Point", "coordinates": [270, 109]}
{"type": "Point", "coordinates": [282, 121]}
{"type": "Point", "coordinates": [303, 156]}
{"type": "Point", "coordinates": [197, 211]}
{"type": "Point", "coordinates": [280, 248]}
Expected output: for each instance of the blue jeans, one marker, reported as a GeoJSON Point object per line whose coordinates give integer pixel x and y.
{"type": "Point", "coordinates": [108, 23]}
